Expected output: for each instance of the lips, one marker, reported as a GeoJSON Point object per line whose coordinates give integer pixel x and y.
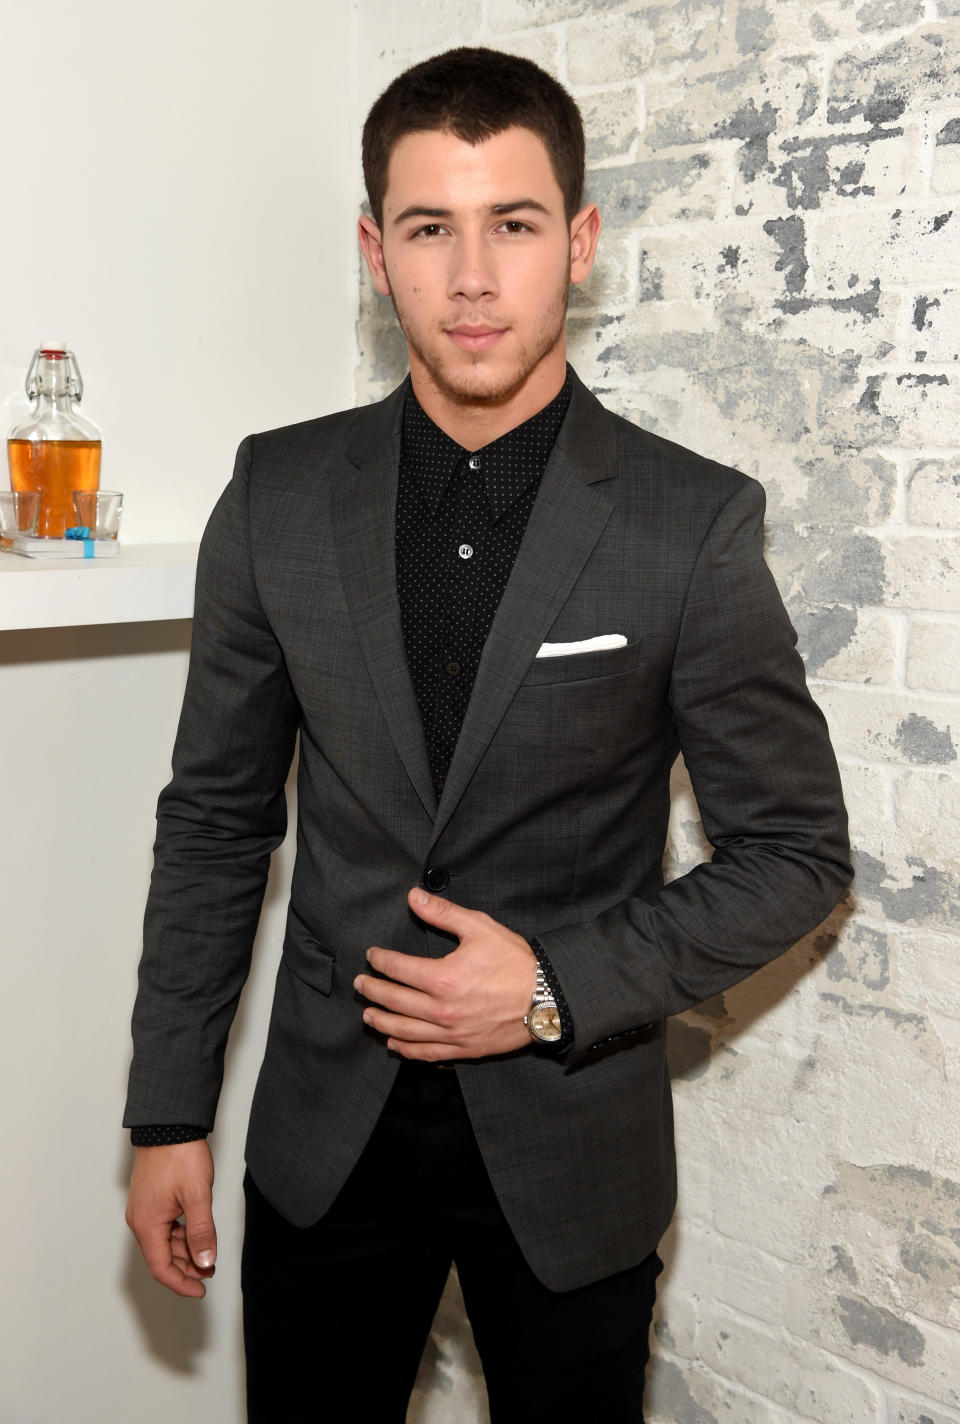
{"type": "Point", "coordinates": [475, 338]}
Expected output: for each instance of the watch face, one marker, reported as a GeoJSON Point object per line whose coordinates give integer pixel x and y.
{"type": "Point", "coordinates": [544, 1022]}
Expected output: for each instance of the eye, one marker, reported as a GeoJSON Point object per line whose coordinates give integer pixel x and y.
{"type": "Point", "coordinates": [514, 225]}
{"type": "Point", "coordinates": [430, 230]}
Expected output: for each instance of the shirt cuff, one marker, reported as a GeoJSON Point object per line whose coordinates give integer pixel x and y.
{"type": "Point", "coordinates": [553, 984]}
{"type": "Point", "coordinates": [166, 1134]}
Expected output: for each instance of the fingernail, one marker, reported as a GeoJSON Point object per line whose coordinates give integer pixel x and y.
{"type": "Point", "coordinates": [357, 982]}
{"type": "Point", "coordinates": [205, 1259]}
{"type": "Point", "coordinates": [366, 1016]}
{"type": "Point", "coordinates": [421, 897]}
{"type": "Point", "coordinates": [368, 954]}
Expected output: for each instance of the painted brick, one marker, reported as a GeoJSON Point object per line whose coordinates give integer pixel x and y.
{"type": "Point", "coordinates": [923, 572]}
{"type": "Point", "coordinates": [683, 1393]}
{"type": "Point", "coordinates": [897, 1223]}
{"type": "Point", "coordinates": [808, 171]}
{"type": "Point", "coordinates": [689, 32]}
{"type": "Point", "coordinates": [866, 790]}
{"type": "Point", "coordinates": [609, 48]}
{"type": "Point", "coordinates": [913, 72]}
{"type": "Point", "coordinates": [925, 976]}
{"type": "Point", "coordinates": [933, 494]}
{"type": "Point", "coordinates": [915, 245]}
{"type": "Point", "coordinates": [894, 884]}
{"type": "Point", "coordinates": [928, 816]}
{"type": "Point", "coordinates": [524, 14]}
{"type": "Point", "coordinates": [860, 956]}
{"type": "Point", "coordinates": [543, 47]}
{"type": "Point", "coordinates": [933, 656]}
{"type": "Point", "coordinates": [612, 282]}
{"type": "Point", "coordinates": [841, 645]}
{"type": "Point", "coordinates": [946, 169]}
{"type": "Point", "coordinates": [658, 190]}
{"type": "Point", "coordinates": [858, 1035]}
{"type": "Point", "coordinates": [935, 321]}
{"type": "Point", "coordinates": [798, 25]}
{"type": "Point", "coordinates": [908, 1411]}
{"type": "Point", "coordinates": [889, 14]}
{"type": "Point", "coordinates": [772, 1364]}
{"type": "Point", "coordinates": [925, 405]}
{"type": "Point", "coordinates": [902, 1347]}
{"type": "Point", "coordinates": [884, 726]}
{"type": "Point", "coordinates": [612, 121]}
{"type": "Point", "coordinates": [730, 1273]}
{"type": "Point", "coordinates": [745, 104]}
{"type": "Point", "coordinates": [675, 1322]}
{"type": "Point", "coordinates": [827, 566]}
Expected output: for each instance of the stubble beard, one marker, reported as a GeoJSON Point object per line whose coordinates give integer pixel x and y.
{"type": "Point", "coordinates": [476, 382]}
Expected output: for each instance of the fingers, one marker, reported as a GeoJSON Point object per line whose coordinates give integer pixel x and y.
{"type": "Point", "coordinates": [399, 999]}
{"type": "Point", "coordinates": [200, 1231]}
{"type": "Point", "coordinates": [410, 1030]}
{"type": "Point", "coordinates": [410, 969]}
{"type": "Point", "coordinates": [182, 1258]}
{"type": "Point", "coordinates": [156, 1243]}
{"type": "Point", "coordinates": [443, 914]}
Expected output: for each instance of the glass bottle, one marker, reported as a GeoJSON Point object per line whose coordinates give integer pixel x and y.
{"type": "Point", "coordinates": [54, 449]}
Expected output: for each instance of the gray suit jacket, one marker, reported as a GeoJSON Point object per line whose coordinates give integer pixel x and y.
{"type": "Point", "coordinates": [552, 817]}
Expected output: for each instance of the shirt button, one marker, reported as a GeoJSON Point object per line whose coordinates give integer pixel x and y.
{"type": "Point", "coordinates": [474, 462]}
{"type": "Point", "coordinates": [436, 877]}
{"type": "Point", "coordinates": [465, 551]}
{"type": "Point", "coordinates": [453, 668]}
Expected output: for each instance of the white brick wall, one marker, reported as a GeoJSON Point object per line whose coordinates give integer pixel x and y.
{"type": "Point", "coordinates": [779, 286]}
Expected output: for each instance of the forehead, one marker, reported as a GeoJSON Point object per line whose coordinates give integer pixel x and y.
{"type": "Point", "coordinates": [439, 170]}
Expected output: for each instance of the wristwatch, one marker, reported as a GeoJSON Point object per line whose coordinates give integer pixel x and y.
{"type": "Point", "coordinates": [543, 1017]}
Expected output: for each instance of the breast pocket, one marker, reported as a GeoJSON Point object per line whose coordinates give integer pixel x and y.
{"type": "Point", "coordinates": [583, 667]}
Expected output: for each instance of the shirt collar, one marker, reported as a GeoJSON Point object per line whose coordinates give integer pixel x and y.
{"type": "Point", "coordinates": [509, 464]}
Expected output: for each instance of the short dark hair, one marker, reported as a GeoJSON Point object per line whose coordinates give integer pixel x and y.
{"type": "Point", "coordinates": [474, 94]}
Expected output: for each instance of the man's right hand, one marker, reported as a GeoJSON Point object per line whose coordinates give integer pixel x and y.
{"type": "Point", "coordinates": [167, 1183]}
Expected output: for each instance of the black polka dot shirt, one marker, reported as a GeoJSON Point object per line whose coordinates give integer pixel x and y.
{"type": "Point", "coordinates": [461, 515]}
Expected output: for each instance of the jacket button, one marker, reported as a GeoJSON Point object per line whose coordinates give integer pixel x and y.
{"type": "Point", "coordinates": [436, 877]}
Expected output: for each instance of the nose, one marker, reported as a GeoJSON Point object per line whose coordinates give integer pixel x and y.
{"type": "Point", "coordinates": [473, 274]}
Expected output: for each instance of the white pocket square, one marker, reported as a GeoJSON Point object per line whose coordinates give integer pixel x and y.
{"type": "Point", "coordinates": [587, 645]}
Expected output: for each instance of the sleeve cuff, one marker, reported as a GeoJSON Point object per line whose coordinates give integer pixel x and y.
{"type": "Point", "coordinates": [166, 1134]}
{"type": "Point", "coordinates": [563, 1008]}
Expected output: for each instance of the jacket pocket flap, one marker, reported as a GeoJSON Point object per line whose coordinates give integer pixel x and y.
{"type": "Point", "coordinates": [305, 957]}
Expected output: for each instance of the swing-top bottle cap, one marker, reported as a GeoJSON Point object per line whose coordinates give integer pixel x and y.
{"type": "Point", "coordinates": [53, 346]}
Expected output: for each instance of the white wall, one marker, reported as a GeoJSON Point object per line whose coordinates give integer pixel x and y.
{"type": "Point", "coordinates": [179, 185]}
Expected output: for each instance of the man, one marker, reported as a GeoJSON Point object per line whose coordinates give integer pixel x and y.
{"type": "Point", "coordinates": [494, 613]}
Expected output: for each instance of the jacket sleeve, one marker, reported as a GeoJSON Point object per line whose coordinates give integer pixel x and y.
{"type": "Point", "coordinates": [768, 790]}
{"type": "Point", "coordinates": [218, 821]}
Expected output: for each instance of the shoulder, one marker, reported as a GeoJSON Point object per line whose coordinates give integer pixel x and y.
{"type": "Point", "coordinates": [650, 467]}
{"type": "Point", "coordinates": [325, 440]}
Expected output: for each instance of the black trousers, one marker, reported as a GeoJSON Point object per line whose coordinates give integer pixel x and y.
{"type": "Point", "coordinates": [336, 1315]}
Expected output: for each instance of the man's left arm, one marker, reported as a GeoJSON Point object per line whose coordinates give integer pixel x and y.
{"type": "Point", "coordinates": [768, 790]}
{"type": "Point", "coordinates": [763, 770]}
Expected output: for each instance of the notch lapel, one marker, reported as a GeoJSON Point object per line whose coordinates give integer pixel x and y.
{"type": "Point", "coordinates": [364, 523]}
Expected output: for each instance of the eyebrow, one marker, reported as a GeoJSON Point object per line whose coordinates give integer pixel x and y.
{"type": "Point", "coordinates": [417, 210]}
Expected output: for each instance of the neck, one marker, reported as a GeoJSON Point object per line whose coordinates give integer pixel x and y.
{"type": "Point", "coordinates": [475, 423]}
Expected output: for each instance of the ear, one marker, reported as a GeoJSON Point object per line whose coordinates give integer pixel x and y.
{"type": "Point", "coordinates": [584, 235]}
{"type": "Point", "coordinates": [371, 245]}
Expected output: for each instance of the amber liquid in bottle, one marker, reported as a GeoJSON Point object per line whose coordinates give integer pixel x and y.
{"type": "Point", "coordinates": [56, 468]}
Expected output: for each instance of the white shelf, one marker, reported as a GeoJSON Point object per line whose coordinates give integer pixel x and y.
{"type": "Point", "coordinates": [143, 584]}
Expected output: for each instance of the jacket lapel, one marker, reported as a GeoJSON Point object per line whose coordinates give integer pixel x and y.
{"type": "Point", "coordinates": [565, 523]}
{"type": "Point", "coordinates": [364, 520]}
